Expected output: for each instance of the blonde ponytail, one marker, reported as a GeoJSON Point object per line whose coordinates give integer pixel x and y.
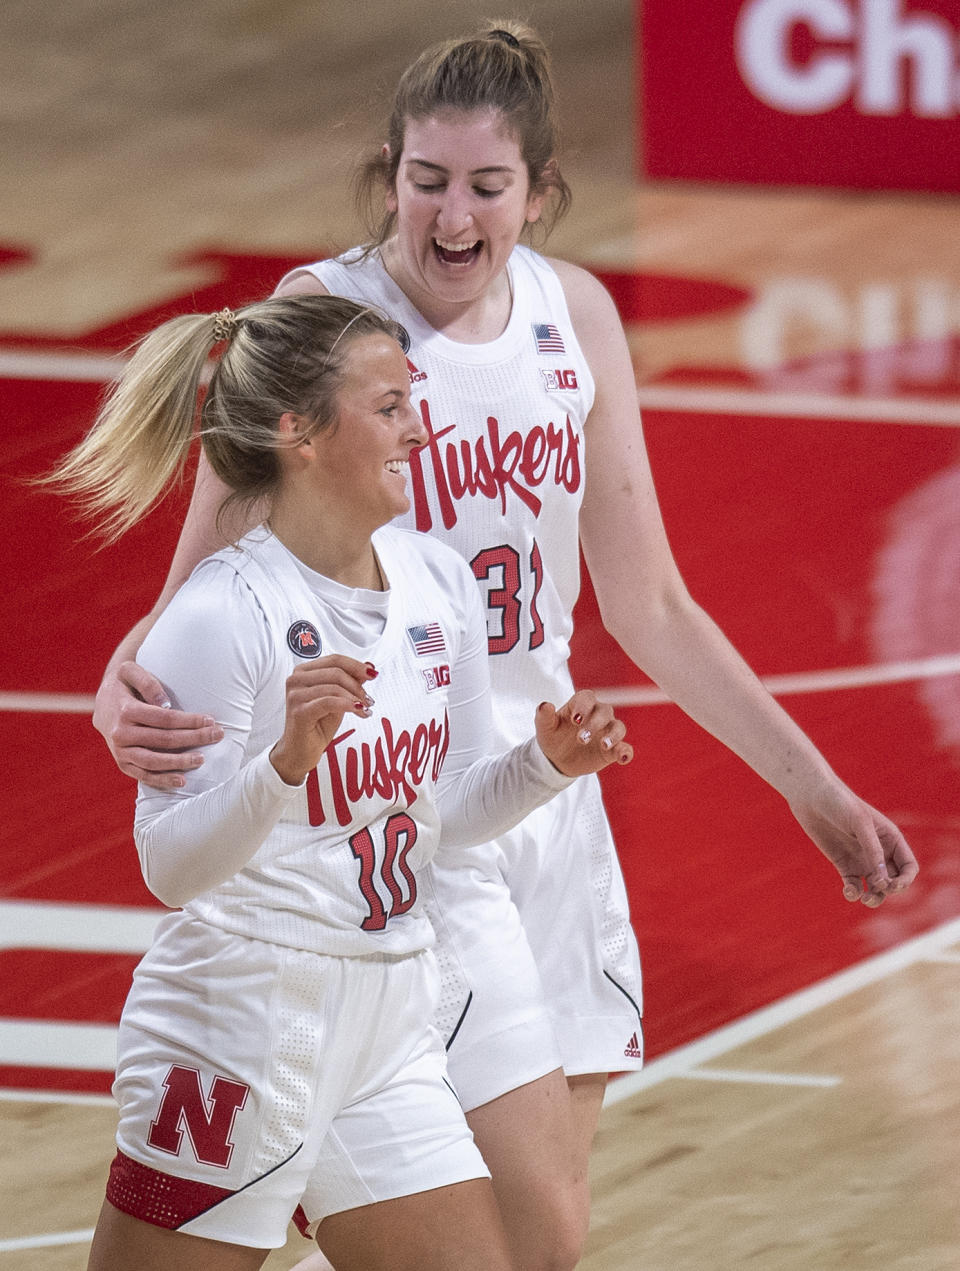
{"type": "Point", "coordinates": [285, 354]}
{"type": "Point", "coordinates": [141, 438]}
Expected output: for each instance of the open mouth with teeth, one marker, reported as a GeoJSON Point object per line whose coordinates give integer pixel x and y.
{"type": "Point", "coordinates": [399, 466]}
{"type": "Point", "coordinates": [457, 253]}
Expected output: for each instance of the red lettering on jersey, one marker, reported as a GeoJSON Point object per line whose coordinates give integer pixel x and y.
{"type": "Point", "coordinates": [393, 767]}
{"type": "Point", "coordinates": [184, 1107]}
{"type": "Point", "coordinates": [491, 467]}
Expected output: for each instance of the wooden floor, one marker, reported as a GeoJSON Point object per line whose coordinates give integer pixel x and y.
{"type": "Point", "coordinates": [134, 133]}
{"type": "Point", "coordinates": [829, 1143]}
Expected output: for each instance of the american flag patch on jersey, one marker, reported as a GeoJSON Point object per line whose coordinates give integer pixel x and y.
{"type": "Point", "coordinates": [548, 338]}
{"type": "Point", "coordinates": [426, 639]}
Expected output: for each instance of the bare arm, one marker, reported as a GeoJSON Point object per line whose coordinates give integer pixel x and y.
{"type": "Point", "coordinates": [300, 282]}
{"type": "Point", "coordinates": [646, 607]}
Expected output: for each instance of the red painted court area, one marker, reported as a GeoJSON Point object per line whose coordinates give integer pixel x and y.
{"type": "Point", "coordinates": [818, 546]}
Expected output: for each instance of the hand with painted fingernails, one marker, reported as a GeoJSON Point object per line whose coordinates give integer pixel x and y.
{"type": "Point", "coordinates": [583, 736]}
{"type": "Point", "coordinates": [318, 695]}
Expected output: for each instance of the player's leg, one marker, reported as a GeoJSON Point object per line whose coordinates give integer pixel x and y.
{"type": "Point", "coordinates": [586, 1098]}
{"type": "Point", "coordinates": [564, 879]}
{"type": "Point", "coordinates": [534, 1140]}
{"type": "Point", "coordinates": [504, 1054]}
{"type": "Point", "coordinates": [398, 1181]}
{"type": "Point", "coordinates": [121, 1241]}
{"type": "Point", "coordinates": [455, 1228]}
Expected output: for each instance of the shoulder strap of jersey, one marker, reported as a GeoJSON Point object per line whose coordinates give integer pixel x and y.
{"type": "Point", "coordinates": [266, 568]}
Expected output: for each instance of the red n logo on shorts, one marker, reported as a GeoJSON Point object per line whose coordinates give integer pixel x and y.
{"type": "Point", "coordinates": [184, 1107]}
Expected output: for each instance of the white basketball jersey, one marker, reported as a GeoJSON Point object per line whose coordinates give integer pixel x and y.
{"type": "Point", "coordinates": [338, 873]}
{"type": "Point", "coordinates": [501, 477]}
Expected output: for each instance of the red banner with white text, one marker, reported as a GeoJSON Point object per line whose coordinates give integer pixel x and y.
{"type": "Point", "coordinates": [861, 94]}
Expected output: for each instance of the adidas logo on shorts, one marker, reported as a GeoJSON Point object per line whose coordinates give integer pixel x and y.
{"type": "Point", "coordinates": [634, 1048]}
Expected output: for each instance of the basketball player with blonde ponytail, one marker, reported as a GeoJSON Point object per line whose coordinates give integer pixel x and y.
{"type": "Point", "coordinates": [277, 1058]}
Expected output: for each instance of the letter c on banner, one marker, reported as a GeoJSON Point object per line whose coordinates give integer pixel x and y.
{"type": "Point", "coordinates": [762, 40]}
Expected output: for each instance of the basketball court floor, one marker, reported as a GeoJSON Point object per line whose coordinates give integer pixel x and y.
{"type": "Point", "coordinates": [798, 359]}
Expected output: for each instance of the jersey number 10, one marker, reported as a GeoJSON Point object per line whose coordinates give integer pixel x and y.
{"type": "Point", "coordinates": [399, 836]}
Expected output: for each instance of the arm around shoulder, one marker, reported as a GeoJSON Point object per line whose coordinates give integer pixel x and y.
{"type": "Point", "coordinates": [212, 648]}
{"type": "Point", "coordinates": [150, 741]}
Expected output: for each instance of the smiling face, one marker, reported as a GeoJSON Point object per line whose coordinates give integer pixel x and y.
{"type": "Point", "coordinates": [462, 198]}
{"type": "Point", "coordinates": [362, 460]}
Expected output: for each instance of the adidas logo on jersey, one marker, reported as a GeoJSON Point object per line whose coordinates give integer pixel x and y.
{"type": "Point", "coordinates": [416, 377]}
{"type": "Point", "coordinates": [634, 1048]}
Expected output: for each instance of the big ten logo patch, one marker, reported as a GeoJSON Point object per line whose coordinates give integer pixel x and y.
{"type": "Point", "coordinates": [554, 380]}
{"type": "Point", "coordinates": [856, 93]}
{"type": "Point", "coordinates": [436, 677]}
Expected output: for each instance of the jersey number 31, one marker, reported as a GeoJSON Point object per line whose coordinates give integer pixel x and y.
{"type": "Point", "coordinates": [499, 568]}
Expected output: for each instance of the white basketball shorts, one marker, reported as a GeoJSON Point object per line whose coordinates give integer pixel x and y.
{"type": "Point", "coordinates": [539, 964]}
{"type": "Point", "coordinates": [258, 1083]}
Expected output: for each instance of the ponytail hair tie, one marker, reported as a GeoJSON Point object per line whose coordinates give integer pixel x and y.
{"type": "Point", "coordinates": [224, 324]}
{"type": "Point", "coordinates": [506, 37]}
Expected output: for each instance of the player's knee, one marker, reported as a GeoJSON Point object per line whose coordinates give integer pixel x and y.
{"type": "Point", "coordinates": [568, 1249]}
{"type": "Point", "coordinates": [556, 1241]}
{"type": "Point", "coordinates": [561, 1251]}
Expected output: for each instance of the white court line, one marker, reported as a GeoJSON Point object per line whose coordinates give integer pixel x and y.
{"type": "Point", "coordinates": [685, 1059]}
{"type": "Point", "coordinates": [77, 367]}
{"type": "Point", "coordinates": [623, 694]}
{"type": "Point", "coordinates": [682, 1062]}
{"type": "Point", "coordinates": [876, 410]}
{"type": "Point", "coordinates": [40, 1043]}
{"type": "Point", "coordinates": [47, 1241]}
{"type": "Point", "coordinates": [746, 1077]}
{"type": "Point", "coordinates": [56, 703]}
{"type": "Point", "coordinates": [71, 367]}
{"type": "Point", "coordinates": [808, 681]}
{"type": "Point", "coordinates": [100, 928]}
{"type": "Point", "coordinates": [931, 946]}
{"type": "Point", "coordinates": [57, 1096]}
{"type": "Point", "coordinates": [43, 924]}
